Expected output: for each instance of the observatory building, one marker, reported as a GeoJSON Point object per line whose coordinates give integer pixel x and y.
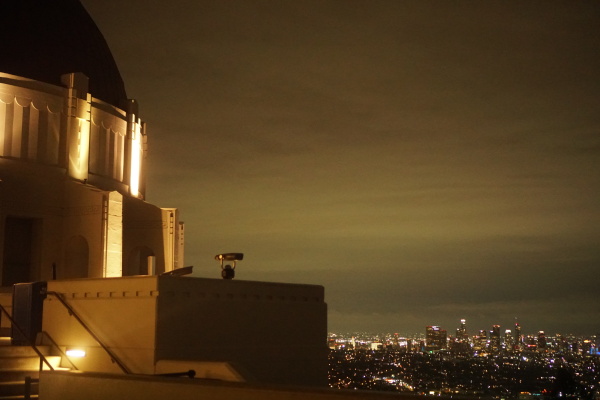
{"type": "Point", "coordinates": [86, 263]}
{"type": "Point", "coordinates": [72, 155]}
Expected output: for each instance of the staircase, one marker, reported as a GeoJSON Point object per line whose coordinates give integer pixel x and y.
{"type": "Point", "coordinates": [19, 369]}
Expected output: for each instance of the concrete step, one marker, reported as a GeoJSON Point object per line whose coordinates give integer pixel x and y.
{"type": "Point", "coordinates": [19, 362]}
{"type": "Point", "coordinates": [33, 396]}
{"type": "Point", "coordinates": [27, 363]}
{"type": "Point", "coordinates": [17, 388]}
{"type": "Point", "coordinates": [22, 351]}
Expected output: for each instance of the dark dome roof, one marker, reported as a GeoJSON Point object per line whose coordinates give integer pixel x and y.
{"type": "Point", "coordinates": [43, 39]}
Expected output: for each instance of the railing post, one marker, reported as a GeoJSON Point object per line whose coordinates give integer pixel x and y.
{"type": "Point", "coordinates": [27, 387]}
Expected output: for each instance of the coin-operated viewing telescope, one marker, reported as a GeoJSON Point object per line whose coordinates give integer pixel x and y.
{"type": "Point", "coordinates": [228, 270]}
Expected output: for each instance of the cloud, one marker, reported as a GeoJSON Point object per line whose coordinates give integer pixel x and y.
{"type": "Point", "coordinates": [413, 158]}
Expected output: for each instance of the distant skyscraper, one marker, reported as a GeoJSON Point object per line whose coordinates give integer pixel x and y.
{"type": "Point", "coordinates": [517, 336]}
{"type": "Point", "coordinates": [480, 341]}
{"type": "Point", "coordinates": [495, 338]}
{"type": "Point", "coordinates": [435, 338]}
{"type": "Point", "coordinates": [461, 332]}
{"type": "Point", "coordinates": [541, 341]}
{"type": "Point", "coordinates": [509, 340]}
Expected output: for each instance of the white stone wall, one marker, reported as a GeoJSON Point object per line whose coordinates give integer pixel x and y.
{"type": "Point", "coordinates": [31, 121]}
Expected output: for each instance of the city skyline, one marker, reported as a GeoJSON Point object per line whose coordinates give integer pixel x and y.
{"type": "Point", "coordinates": [423, 161]}
{"type": "Point", "coordinates": [561, 368]}
{"type": "Point", "coordinates": [470, 330]}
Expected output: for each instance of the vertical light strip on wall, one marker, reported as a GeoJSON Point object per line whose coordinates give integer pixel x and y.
{"type": "Point", "coordinates": [83, 148]}
{"type": "Point", "coordinates": [136, 160]}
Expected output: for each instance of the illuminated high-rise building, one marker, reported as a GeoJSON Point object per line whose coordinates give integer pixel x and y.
{"type": "Point", "coordinates": [461, 343]}
{"type": "Point", "coordinates": [495, 340]}
{"type": "Point", "coordinates": [517, 336]}
{"type": "Point", "coordinates": [395, 341]}
{"type": "Point", "coordinates": [480, 341]}
{"type": "Point", "coordinates": [509, 340]}
{"type": "Point", "coordinates": [436, 338]}
{"type": "Point", "coordinates": [461, 331]}
{"type": "Point", "coordinates": [541, 341]}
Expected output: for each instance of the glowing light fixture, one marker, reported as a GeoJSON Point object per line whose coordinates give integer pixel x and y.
{"type": "Point", "coordinates": [76, 353]}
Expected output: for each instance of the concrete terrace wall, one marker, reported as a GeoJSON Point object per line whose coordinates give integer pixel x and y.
{"type": "Point", "coordinates": [275, 331]}
{"type": "Point", "coordinates": [120, 311]}
{"type": "Point", "coordinates": [272, 332]}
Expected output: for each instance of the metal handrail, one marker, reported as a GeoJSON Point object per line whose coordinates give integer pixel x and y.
{"type": "Point", "coordinates": [72, 312]}
{"type": "Point", "coordinates": [32, 345]}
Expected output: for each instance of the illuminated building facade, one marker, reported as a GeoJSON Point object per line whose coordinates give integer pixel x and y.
{"type": "Point", "coordinates": [509, 342]}
{"type": "Point", "coordinates": [72, 156]}
{"type": "Point", "coordinates": [480, 341]}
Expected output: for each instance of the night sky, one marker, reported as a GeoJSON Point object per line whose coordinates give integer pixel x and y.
{"type": "Point", "coordinates": [423, 161]}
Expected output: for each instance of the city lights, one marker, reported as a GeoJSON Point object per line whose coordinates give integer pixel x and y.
{"type": "Point", "coordinates": [483, 363]}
